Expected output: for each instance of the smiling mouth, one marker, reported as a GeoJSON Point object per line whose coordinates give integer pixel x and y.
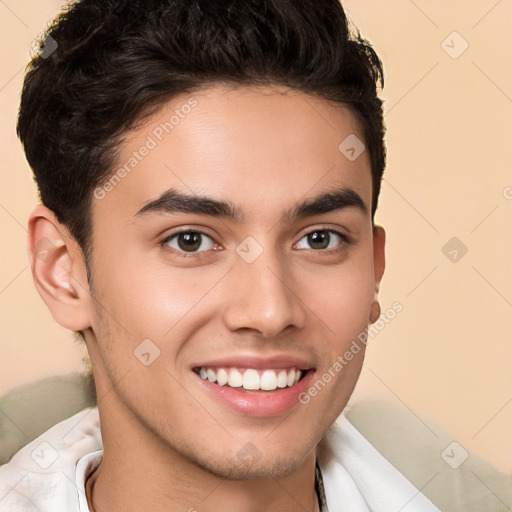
{"type": "Point", "coordinates": [251, 379]}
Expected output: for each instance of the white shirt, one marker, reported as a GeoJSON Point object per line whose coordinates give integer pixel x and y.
{"type": "Point", "coordinates": [49, 474]}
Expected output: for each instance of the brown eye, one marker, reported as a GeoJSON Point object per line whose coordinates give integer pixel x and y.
{"type": "Point", "coordinates": [321, 239]}
{"type": "Point", "coordinates": [190, 241]}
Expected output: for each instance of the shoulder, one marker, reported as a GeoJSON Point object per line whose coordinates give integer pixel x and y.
{"type": "Point", "coordinates": [42, 475]}
{"type": "Point", "coordinates": [378, 434]}
{"type": "Point", "coordinates": [355, 472]}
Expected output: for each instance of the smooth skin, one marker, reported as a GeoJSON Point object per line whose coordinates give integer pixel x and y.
{"type": "Point", "coordinates": [169, 445]}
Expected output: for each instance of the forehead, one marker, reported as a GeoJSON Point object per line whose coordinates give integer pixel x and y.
{"type": "Point", "coordinates": [246, 145]}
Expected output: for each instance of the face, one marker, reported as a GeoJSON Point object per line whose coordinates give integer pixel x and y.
{"type": "Point", "coordinates": [233, 263]}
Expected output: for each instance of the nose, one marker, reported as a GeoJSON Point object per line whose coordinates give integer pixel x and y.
{"type": "Point", "coordinates": [263, 297]}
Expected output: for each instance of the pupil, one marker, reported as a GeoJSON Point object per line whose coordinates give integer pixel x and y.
{"type": "Point", "coordinates": [319, 239]}
{"type": "Point", "coordinates": [189, 241]}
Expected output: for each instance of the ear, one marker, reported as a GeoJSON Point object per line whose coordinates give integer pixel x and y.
{"type": "Point", "coordinates": [58, 269]}
{"type": "Point", "coordinates": [379, 263]}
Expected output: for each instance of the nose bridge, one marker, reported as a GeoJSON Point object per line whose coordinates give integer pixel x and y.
{"type": "Point", "coordinates": [262, 295]}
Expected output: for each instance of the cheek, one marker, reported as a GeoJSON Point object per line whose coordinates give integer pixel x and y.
{"type": "Point", "coordinates": [341, 298]}
{"type": "Point", "coordinates": [347, 306]}
{"type": "Point", "coordinates": [146, 296]}
{"type": "Point", "coordinates": [345, 313]}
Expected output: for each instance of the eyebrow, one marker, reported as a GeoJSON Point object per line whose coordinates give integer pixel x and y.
{"type": "Point", "coordinates": [174, 201]}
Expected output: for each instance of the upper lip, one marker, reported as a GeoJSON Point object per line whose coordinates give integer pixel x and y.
{"type": "Point", "coordinates": [279, 361]}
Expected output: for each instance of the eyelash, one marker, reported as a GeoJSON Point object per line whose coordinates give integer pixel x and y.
{"type": "Point", "coordinates": [182, 254]}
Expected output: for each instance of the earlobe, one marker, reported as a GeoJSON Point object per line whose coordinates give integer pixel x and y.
{"type": "Point", "coordinates": [56, 270]}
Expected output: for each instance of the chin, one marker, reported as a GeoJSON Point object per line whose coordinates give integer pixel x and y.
{"type": "Point", "coordinates": [251, 467]}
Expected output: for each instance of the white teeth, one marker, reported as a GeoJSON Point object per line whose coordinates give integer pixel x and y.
{"type": "Point", "coordinates": [282, 379]}
{"type": "Point", "coordinates": [235, 379]}
{"type": "Point", "coordinates": [222, 377]}
{"type": "Point", "coordinates": [250, 379]}
{"type": "Point", "coordinates": [269, 380]}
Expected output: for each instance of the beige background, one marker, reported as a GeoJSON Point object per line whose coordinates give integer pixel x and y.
{"type": "Point", "coordinates": [447, 355]}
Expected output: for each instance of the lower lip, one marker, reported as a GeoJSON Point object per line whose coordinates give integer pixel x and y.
{"type": "Point", "coordinates": [261, 404]}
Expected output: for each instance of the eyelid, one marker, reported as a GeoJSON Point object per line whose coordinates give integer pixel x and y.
{"type": "Point", "coordinates": [186, 230]}
{"type": "Point", "coordinates": [331, 229]}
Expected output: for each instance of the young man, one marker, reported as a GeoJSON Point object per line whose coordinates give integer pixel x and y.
{"type": "Point", "coordinates": [209, 173]}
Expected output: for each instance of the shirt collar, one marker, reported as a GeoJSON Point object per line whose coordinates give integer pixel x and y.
{"type": "Point", "coordinates": [319, 488]}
